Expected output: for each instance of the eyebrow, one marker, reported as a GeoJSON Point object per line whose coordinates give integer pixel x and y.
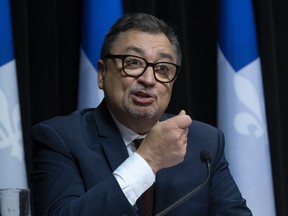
{"type": "Point", "coordinates": [141, 52]}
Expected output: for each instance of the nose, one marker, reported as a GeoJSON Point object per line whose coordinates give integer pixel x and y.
{"type": "Point", "coordinates": [147, 78]}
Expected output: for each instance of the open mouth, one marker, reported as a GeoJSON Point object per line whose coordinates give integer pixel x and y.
{"type": "Point", "coordinates": [143, 98]}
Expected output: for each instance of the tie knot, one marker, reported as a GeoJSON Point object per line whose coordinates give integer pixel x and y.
{"type": "Point", "coordinates": [137, 142]}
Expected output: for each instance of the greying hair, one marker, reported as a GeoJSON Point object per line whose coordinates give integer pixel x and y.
{"type": "Point", "coordinates": [140, 22]}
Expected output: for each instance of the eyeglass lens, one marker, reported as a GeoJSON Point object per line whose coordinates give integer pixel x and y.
{"type": "Point", "coordinates": [134, 66]}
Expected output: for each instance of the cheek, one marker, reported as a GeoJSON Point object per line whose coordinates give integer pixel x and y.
{"type": "Point", "coordinates": [115, 87]}
{"type": "Point", "coordinates": [165, 94]}
{"type": "Point", "coordinates": [166, 89]}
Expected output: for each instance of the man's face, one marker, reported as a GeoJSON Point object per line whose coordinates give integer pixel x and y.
{"type": "Point", "coordinates": [143, 97]}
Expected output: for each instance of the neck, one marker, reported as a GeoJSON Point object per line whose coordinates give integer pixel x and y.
{"type": "Point", "coordinates": [139, 125]}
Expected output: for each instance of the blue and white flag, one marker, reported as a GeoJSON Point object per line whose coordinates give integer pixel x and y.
{"type": "Point", "coordinates": [241, 106]}
{"type": "Point", "coordinates": [12, 163]}
{"type": "Point", "coordinates": [98, 16]}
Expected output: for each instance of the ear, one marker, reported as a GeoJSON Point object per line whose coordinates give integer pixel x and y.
{"type": "Point", "coordinates": [101, 73]}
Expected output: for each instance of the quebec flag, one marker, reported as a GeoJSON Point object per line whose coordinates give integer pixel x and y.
{"type": "Point", "coordinates": [98, 17]}
{"type": "Point", "coordinates": [241, 107]}
{"type": "Point", "coordinates": [12, 162]}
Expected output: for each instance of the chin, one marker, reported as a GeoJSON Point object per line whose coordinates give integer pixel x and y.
{"type": "Point", "coordinates": [143, 112]}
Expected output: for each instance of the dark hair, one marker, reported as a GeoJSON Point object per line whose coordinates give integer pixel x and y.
{"type": "Point", "coordinates": [142, 22]}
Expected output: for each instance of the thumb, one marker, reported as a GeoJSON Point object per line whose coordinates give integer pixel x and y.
{"type": "Point", "coordinates": [182, 112]}
{"type": "Point", "coordinates": [181, 120]}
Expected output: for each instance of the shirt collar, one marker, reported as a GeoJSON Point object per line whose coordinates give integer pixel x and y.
{"type": "Point", "coordinates": [127, 134]}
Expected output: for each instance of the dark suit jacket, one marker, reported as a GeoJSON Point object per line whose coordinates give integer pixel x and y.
{"type": "Point", "coordinates": [74, 157]}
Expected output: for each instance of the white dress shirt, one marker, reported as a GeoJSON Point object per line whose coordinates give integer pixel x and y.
{"type": "Point", "coordinates": [134, 175]}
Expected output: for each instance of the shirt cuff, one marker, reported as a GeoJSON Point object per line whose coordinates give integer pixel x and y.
{"type": "Point", "coordinates": [134, 176]}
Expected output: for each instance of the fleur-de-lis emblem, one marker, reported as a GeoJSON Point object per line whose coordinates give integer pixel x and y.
{"type": "Point", "coordinates": [244, 121]}
{"type": "Point", "coordinates": [10, 128]}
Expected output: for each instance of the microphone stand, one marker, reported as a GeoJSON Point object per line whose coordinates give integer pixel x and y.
{"type": "Point", "coordinates": [205, 157]}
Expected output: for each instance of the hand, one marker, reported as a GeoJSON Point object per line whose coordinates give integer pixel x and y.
{"type": "Point", "coordinates": [165, 144]}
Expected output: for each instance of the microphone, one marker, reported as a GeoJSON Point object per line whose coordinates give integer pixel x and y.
{"type": "Point", "coordinates": [205, 158]}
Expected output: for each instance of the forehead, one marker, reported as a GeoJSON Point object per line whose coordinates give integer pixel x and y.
{"type": "Point", "coordinates": [144, 44]}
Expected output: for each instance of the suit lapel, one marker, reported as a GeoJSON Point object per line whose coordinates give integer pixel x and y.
{"type": "Point", "coordinates": [110, 139]}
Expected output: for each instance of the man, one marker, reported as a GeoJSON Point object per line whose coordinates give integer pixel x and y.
{"type": "Point", "coordinates": [87, 163]}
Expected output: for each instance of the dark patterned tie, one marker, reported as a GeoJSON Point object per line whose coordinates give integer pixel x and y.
{"type": "Point", "coordinates": [145, 201]}
{"type": "Point", "coordinates": [137, 142]}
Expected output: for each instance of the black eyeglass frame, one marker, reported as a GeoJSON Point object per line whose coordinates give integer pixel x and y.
{"type": "Point", "coordinates": [123, 57]}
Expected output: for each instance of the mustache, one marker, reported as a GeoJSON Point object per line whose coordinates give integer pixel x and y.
{"type": "Point", "coordinates": [148, 91]}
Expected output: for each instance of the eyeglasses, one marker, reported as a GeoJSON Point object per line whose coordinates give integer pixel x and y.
{"type": "Point", "coordinates": [135, 66]}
